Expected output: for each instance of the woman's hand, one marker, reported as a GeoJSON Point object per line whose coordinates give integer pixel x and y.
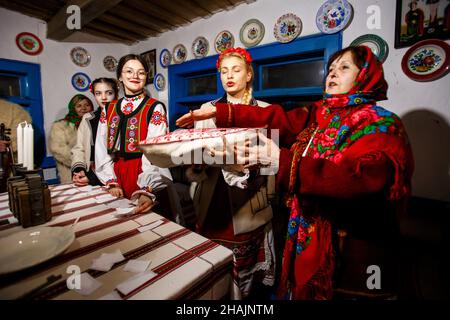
{"type": "Point", "coordinates": [145, 203]}
{"type": "Point", "coordinates": [187, 120]}
{"type": "Point", "coordinates": [80, 179]}
{"type": "Point", "coordinates": [116, 191]}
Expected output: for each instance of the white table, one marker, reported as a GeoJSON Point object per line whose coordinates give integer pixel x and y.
{"type": "Point", "coordinates": [188, 266]}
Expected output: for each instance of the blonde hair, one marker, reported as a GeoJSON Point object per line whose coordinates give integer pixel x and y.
{"type": "Point", "coordinates": [249, 88]}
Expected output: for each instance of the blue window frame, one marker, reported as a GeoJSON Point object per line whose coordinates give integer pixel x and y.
{"type": "Point", "coordinates": [28, 94]}
{"type": "Point", "coordinates": [310, 52]}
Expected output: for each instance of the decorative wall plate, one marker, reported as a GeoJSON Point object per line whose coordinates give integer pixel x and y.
{"type": "Point", "coordinates": [333, 16]}
{"type": "Point", "coordinates": [165, 58]}
{"type": "Point", "coordinates": [252, 32]}
{"type": "Point", "coordinates": [224, 40]}
{"type": "Point", "coordinates": [80, 56]}
{"type": "Point", "coordinates": [179, 53]}
{"type": "Point", "coordinates": [81, 81]}
{"type": "Point", "coordinates": [110, 63]}
{"type": "Point", "coordinates": [159, 82]}
{"type": "Point", "coordinates": [378, 46]}
{"type": "Point", "coordinates": [200, 47]}
{"type": "Point", "coordinates": [287, 28]}
{"type": "Point", "coordinates": [29, 43]}
{"type": "Point", "coordinates": [427, 60]}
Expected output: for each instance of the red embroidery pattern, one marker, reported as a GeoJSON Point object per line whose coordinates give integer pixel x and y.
{"type": "Point", "coordinates": [158, 118]}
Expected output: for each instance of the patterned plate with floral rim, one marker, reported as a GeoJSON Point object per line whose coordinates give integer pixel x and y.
{"type": "Point", "coordinates": [159, 82]}
{"type": "Point", "coordinates": [200, 47]}
{"type": "Point", "coordinates": [427, 60]}
{"type": "Point", "coordinates": [110, 63]}
{"type": "Point", "coordinates": [333, 16]}
{"type": "Point", "coordinates": [287, 28]}
{"type": "Point", "coordinates": [179, 53]}
{"type": "Point", "coordinates": [378, 46]}
{"type": "Point", "coordinates": [81, 81]}
{"type": "Point", "coordinates": [29, 43]}
{"type": "Point", "coordinates": [80, 56]}
{"type": "Point", "coordinates": [224, 40]}
{"type": "Point", "coordinates": [252, 32]}
{"type": "Point", "coordinates": [165, 58]}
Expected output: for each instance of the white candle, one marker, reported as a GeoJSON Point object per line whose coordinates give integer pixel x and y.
{"type": "Point", "coordinates": [25, 146]}
{"type": "Point", "coordinates": [19, 143]}
{"type": "Point", "coordinates": [30, 147]}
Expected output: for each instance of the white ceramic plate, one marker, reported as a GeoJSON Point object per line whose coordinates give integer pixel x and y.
{"type": "Point", "coordinates": [179, 53]}
{"type": "Point", "coordinates": [159, 82]}
{"type": "Point", "coordinates": [30, 247]}
{"type": "Point", "coordinates": [80, 56]}
{"type": "Point", "coordinates": [200, 47]}
{"type": "Point", "coordinates": [224, 40]}
{"type": "Point", "coordinates": [287, 28]}
{"type": "Point", "coordinates": [333, 16]}
{"type": "Point", "coordinates": [252, 32]}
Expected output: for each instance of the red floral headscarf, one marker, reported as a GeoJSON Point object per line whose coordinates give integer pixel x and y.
{"type": "Point", "coordinates": [369, 85]}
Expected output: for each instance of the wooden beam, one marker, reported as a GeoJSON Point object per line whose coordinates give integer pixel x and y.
{"type": "Point", "coordinates": [90, 9]}
{"type": "Point", "coordinates": [185, 9]}
{"type": "Point", "coordinates": [99, 33]}
{"type": "Point", "coordinates": [213, 6]}
{"type": "Point", "coordinates": [128, 25]}
{"type": "Point", "coordinates": [141, 17]}
{"type": "Point", "coordinates": [39, 13]}
{"type": "Point", "coordinates": [114, 30]}
{"type": "Point", "coordinates": [155, 11]}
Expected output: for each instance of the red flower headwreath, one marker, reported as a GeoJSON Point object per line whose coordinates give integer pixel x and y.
{"type": "Point", "coordinates": [91, 88]}
{"type": "Point", "coordinates": [242, 52]}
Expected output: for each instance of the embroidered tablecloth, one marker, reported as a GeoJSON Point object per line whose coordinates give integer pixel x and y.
{"type": "Point", "coordinates": [188, 266]}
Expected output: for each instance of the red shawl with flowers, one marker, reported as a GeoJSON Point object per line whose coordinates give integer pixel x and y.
{"type": "Point", "coordinates": [353, 148]}
{"type": "Point", "coordinates": [350, 135]}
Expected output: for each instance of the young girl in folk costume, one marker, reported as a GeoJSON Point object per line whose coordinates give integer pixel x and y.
{"type": "Point", "coordinates": [104, 90]}
{"type": "Point", "coordinates": [228, 204]}
{"type": "Point", "coordinates": [120, 164]}
{"type": "Point", "coordinates": [348, 176]}
{"type": "Point", "coordinates": [63, 135]}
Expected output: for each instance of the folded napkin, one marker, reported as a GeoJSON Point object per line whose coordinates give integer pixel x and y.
{"type": "Point", "coordinates": [135, 282]}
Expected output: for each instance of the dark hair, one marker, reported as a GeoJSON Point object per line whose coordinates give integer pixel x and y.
{"type": "Point", "coordinates": [127, 58]}
{"type": "Point", "coordinates": [110, 81]}
{"type": "Point", "coordinates": [359, 56]}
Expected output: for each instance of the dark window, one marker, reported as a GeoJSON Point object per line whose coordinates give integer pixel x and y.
{"type": "Point", "coordinates": [9, 86]}
{"type": "Point", "coordinates": [293, 75]}
{"type": "Point", "coordinates": [202, 85]}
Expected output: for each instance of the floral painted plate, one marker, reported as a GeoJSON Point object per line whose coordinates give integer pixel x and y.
{"type": "Point", "coordinates": [287, 28]}
{"type": "Point", "coordinates": [159, 82]}
{"type": "Point", "coordinates": [165, 58]}
{"type": "Point", "coordinates": [110, 63]}
{"type": "Point", "coordinates": [252, 32]}
{"type": "Point", "coordinates": [333, 16]}
{"type": "Point", "coordinates": [200, 47]}
{"type": "Point", "coordinates": [29, 43]}
{"type": "Point", "coordinates": [81, 81]}
{"type": "Point", "coordinates": [427, 60]}
{"type": "Point", "coordinates": [80, 56]}
{"type": "Point", "coordinates": [224, 40]}
{"type": "Point", "coordinates": [179, 53]}
{"type": "Point", "coordinates": [378, 46]}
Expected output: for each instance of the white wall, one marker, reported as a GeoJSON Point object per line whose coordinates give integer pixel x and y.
{"type": "Point", "coordinates": [424, 106]}
{"type": "Point", "coordinates": [56, 66]}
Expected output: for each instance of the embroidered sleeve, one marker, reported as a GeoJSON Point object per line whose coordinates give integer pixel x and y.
{"type": "Point", "coordinates": [152, 176]}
